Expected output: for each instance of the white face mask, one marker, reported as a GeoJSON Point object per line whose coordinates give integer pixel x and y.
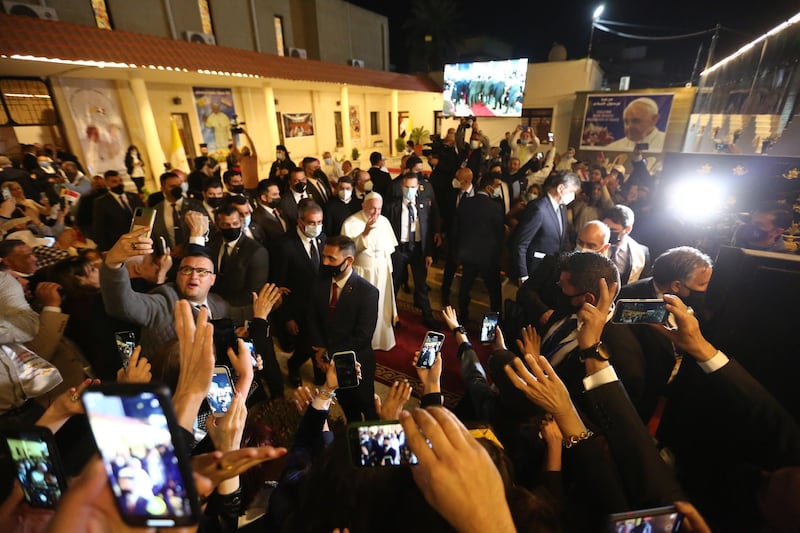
{"type": "Point", "coordinates": [474, 144]}
{"type": "Point", "coordinates": [247, 221]}
{"type": "Point", "coordinates": [328, 161]}
{"type": "Point", "coordinates": [185, 186]}
{"type": "Point", "coordinates": [567, 198]}
{"type": "Point", "coordinates": [456, 184]}
{"type": "Point", "coordinates": [345, 195]}
{"type": "Point", "coordinates": [312, 232]}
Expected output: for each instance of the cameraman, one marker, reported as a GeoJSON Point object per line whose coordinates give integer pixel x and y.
{"type": "Point", "coordinates": [247, 159]}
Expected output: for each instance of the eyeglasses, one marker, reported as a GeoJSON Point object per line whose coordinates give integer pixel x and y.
{"type": "Point", "coordinates": [188, 271]}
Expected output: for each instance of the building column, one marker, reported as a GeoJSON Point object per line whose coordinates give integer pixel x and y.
{"type": "Point", "coordinates": [155, 150]}
{"type": "Point", "coordinates": [347, 139]}
{"type": "Point", "coordinates": [393, 132]}
{"type": "Point", "coordinates": [272, 117]}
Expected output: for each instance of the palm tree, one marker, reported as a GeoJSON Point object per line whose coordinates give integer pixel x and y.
{"type": "Point", "coordinates": [433, 33]}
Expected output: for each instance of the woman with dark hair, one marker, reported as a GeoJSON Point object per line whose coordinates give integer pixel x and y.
{"type": "Point", "coordinates": [89, 326]}
{"type": "Point", "coordinates": [135, 167]}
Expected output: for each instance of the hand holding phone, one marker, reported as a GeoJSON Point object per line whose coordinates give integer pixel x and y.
{"type": "Point", "coordinates": [346, 370]}
{"type": "Point", "coordinates": [38, 466]}
{"type": "Point", "coordinates": [143, 217]}
{"type": "Point", "coordinates": [489, 327]}
{"type": "Point", "coordinates": [377, 445]}
{"type": "Point", "coordinates": [431, 345]}
{"type": "Point", "coordinates": [126, 342]}
{"type": "Point", "coordinates": [220, 394]}
{"type": "Point", "coordinates": [642, 311]}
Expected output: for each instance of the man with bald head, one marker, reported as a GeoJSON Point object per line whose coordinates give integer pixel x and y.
{"type": "Point", "coordinates": [375, 243]}
{"type": "Point", "coordinates": [640, 118]}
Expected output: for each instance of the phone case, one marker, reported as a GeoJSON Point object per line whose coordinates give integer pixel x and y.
{"type": "Point", "coordinates": [38, 465]}
{"type": "Point", "coordinates": [346, 372]}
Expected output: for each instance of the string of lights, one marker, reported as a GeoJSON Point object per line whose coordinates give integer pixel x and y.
{"type": "Point", "coordinates": [602, 27]}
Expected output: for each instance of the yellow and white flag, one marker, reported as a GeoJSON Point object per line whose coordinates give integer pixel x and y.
{"type": "Point", "coordinates": [177, 155]}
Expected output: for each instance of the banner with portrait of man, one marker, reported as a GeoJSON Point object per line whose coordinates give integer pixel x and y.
{"type": "Point", "coordinates": [216, 112]}
{"type": "Point", "coordinates": [621, 122]}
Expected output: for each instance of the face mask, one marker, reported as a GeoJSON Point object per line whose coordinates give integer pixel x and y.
{"type": "Point", "coordinates": [328, 161]}
{"type": "Point", "coordinates": [274, 202]}
{"type": "Point", "coordinates": [332, 271]}
{"type": "Point", "coordinates": [496, 192]}
{"type": "Point", "coordinates": [300, 187]}
{"type": "Point", "coordinates": [410, 193]}
{"type": "Point", "coordinates": [368, 186]}
{"type": "Point", "coordinates": [214, 202]}
{"type": "Point", "coordinates": [524, 141]}
{"type": "Point", "coordinates": [134, 154]}
{"type": "Point", "coordinates": [345, 194]}
{"type": "Point", "coordinates": [247, 220]}
{"type": "Point", "coordinates": [118, 189]}
{"type": "Point", "coordinates": [312, 232]}
{"type": "Point", "coordinates": [280, 156]}
{"type": "Point", "coordinates": [456, 184]}
{"type": "Point", "coordinates": [567, 198]}
{"type": "Point", "coordinates": [176, 193]}
{"type": "Point", "coordinates": [474, 144]}
{"type": "Point", "coordinates": [185, 186]}
{"type": "Point", "coordinates": [532, 196]}
{"type": "Point", "coordinates": [752, 234]}
{"type": "Point", "coordinates": [614, 238]}
{"type": "Point", "coordinates": [237, 189]}
{"type": "Point", "coordinates": [579, 248]}
{"type": "Point", "coordinates": [231, 234]}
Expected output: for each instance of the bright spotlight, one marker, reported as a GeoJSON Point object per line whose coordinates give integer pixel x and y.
{"type": "Point", "coordinates": [598, 11]}
{"type": "Point", "coordinates": [696, 199]}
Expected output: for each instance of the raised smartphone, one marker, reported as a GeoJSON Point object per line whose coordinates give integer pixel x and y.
{"type": "Point", "coordinates": [375, 444]}
{"type": "Point", "coordinates": [143, 217]}
{"type": "Point", "coordinates": [645, 311]}
{"type": "Point", "coordinates": [489, 327]}
{"type": "Point", "coordinates": [666, 519]}
{"type": "Point", "coordinates": [126, 342]}
{"type": "Point", "coordinates": [431, 345]}
{"type": "Point", "coordinates": [346, 372]}
{"type": "Point", "coordinates": [220, 394]}
{"type": "Point", "coordinates": [38, 466]}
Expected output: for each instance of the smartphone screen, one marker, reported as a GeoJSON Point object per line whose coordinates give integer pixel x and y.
{"type": "Point", "coordinates": [6, 193]}
{"type": "Point", "coordinates": [220, 394]}
{"type": "Point", "coordinates": [126, 342]}
{"type": "Point", "coordinates": [144, 453]}
{"type": "Point", "coordinates": [641, 147]}
{"type": "Point", "coordinates": [346, 373]}
{"type": "Point", "coordinates": [38, 466]}
{"type": "Point", "coordinates": [550, 136]}
{"type": "Point", "coordinates": [666, 519]}
{"type": "Point", "coordinates": [488, 326]}
{"type": "Point", "coordinates": [649, 311]}
{"type": "Point", "coordinates": [430, 347]}
{"type": "Point", "coordinates": [251, 347]}
{"type": "Point", "coordinates": [143, 217]}
{"type": "Point", "coordinates": [376, 445]}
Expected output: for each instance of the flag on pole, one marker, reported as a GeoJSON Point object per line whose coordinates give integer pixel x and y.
{"type": "Point", "coordinates": [177, 155]}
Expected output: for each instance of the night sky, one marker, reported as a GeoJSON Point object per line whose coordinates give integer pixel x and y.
{"type": "Point", "coordinates": [532, 27]}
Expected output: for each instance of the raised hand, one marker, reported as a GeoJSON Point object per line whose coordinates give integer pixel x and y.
{"type": "Point", "coordinates": [129, 245]}
{"type": "Point", "coordinates": [138, 370]}
{"type": "Point", "coordinates": [266, 300]}
{"type": "Point", "coordinates": [226, 431]}
{"type": "Point", "coordinates": [430, 377]}
{"type": "Point", "coordinates": [592, 319]}
{"type": "Point", "coordinates": [687, 334]}
{"type": "Point", "coordinates": [196, 344]}
{"type": "Point", "coordinates": [398, 395]}
{"type": "Point", "coordinates": [530, 341]}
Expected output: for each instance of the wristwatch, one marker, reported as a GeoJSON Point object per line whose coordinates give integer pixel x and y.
{"type": "Point", "coordinates": [592, 352]}
{"type": "Point", "coordinates": [460, 329]}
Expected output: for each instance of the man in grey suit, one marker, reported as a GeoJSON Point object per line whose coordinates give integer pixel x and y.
{"type": "Point", "coordinates": [154, 311]}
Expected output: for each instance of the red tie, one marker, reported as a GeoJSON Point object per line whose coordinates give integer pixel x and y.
{"type": "Point", "coordinates": [334, 299]}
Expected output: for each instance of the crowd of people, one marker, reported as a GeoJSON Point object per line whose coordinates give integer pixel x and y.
{"type": "Point", "coordinates": [572, 417]}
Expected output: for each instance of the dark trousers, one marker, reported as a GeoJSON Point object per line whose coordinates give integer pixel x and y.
{"type": "Point", "coordinates": [402, 257]}
{"type": "Point", "coordinates": [491, 277]}
{"type": "Point", "coordinates": [361, 400]}
{"type": "Point", "coordinates": [302, 353]}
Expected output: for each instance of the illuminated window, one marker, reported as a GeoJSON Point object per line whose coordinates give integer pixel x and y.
{"type": "Point", "coordinates": [26, 102]}
{"type": "Point", "coordinates": [279, 43]}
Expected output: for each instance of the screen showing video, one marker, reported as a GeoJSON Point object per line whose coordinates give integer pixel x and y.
{"type": "Point", "coordinates": [641, 312]}
{"type": "Point", "coordinates": [380, 445]}
{"type": "Point", "coordinates": [35, 470]}
{"type": "Point", "coordinates": [485, 89]}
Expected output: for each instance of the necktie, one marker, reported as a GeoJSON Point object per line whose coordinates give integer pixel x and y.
{"type": "Point", "coordinates": [461, 197]}
{"type": "Point", "coordinates": [124, 202]}
{"type": "Point", "coordinates": [314, 255]}
{"type": "Point", "coordinates": [223, 262]}
{"type": "Point", "coordinates": [560, 219]}
{"type": "Point", "coordinates": [277, 213]}
{"type": "Point", "coordinates": [321, 189]}
{"type": "Point", "coordinates": [176, 224]}
{"type": "Point", "coordinates": [553, 344]}
{"type": "Point", "coordinates": [334, 299]}
{"type": "Point", "coordinates": [411, 226]}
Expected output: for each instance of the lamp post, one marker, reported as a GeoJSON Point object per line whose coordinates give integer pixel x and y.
{"type": "Point", "coordinates": [596, 15]}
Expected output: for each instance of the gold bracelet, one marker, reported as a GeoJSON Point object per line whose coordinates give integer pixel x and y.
{"type": "Point", "coordinates": [573, 440]}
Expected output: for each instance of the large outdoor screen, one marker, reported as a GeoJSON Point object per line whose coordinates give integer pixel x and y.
{"type": "Point", "coordinates": [485, 89]}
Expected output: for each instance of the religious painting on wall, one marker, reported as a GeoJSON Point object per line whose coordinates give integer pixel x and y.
{"type": "Point", "coordinates": [298, 125]}
{"type": "Point", "coordinates": [216, 113]}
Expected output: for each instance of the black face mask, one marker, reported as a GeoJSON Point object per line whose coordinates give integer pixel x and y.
{"type": "Point", "coordinates": [176, 193]}
{"type": "Point", "coordinates": [274, 202]}
{"type": "Point", "coordinates": [237, 189]}
{"type": "Point", "coordinates": [118, 189]}
{"type": "Point", "coordinates": [300, 187]}
{"type": "Point", "coordinates": [614, 238]}
{"type": "Point", "coordinates": [214, 202]}
{"type": "Point", "coordinates": [231, 234]}
{"type": "Point", "coordinates": [332, 271]}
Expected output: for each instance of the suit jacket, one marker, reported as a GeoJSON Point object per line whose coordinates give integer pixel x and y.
{"type": "Point", "coordinates": [478, 231]}
{"type": "Point", "coordinates": [246, 270]}
{"type": "Point", "coordinates": [537, 235]}
{"type": "Point", "coordinates": [638, 264]}
{"type": "Point", "coordinates": [288, 207]}
{"type": "Point", "coordinates": [352, 325]}
{"type": "Point", "coordinates": [381, 181]}
{"type": "Point", "coordinates": [293, 269]}
{"type": "Point", "coordinates": [110, 220]}
{"type": "Point", "coordinates": [160, 225]}
{"type": "Point", "coordinates": [155, 311]}
{"type": "Point", "coordinates": [267, 230]}
{"type": "Point", "coordinates": [155, 199]}
{"type": "Point", "coordinates": [425, 214]}
{"type": "Point", "coordinates": [338, 212]}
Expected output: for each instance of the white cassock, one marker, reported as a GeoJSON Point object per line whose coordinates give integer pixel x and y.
{"type": "Point", "coordinates": [374, 263]}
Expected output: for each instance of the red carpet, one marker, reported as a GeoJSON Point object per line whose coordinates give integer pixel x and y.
{"type": "Point", "coordinates": [397, 362]}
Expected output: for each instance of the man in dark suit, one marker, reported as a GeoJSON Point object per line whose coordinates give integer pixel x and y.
{"type": "Point", "coordinates": [343, 315]}
{"type": "Point", "coordinates": [170, 221]}
{"type": "Point", "coordinates": [296, 266]}
{"type": "Point", "coordinates": [543, 227]}
{"type": "Point", "coordinates": [412, 217]}
{"type": "Point", "coordinates": [632, 259]}
{"type": "Point", "coordinates": [83, 218]}
{"type": "Point", "coordinates": [298, 190]}
{"type": "Point", "coordinates": [381, 180]}
{"type": "Point", "coordinates": [342, 206]}
{"type": "Point", "coordinates": [477, 235]}
{"type": "Point", "coordinates": [269, 224]}
{"type": "Point", "coordinates": [454, 197]}
{"type": "Point", "coordinates": [318, 185]}
{"type": "Point", "coordinates": [113, 212]}
{"type": "Point", "coordinates": [10, 173]}
{"type": "Point", "coordinates": [242, 263]}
